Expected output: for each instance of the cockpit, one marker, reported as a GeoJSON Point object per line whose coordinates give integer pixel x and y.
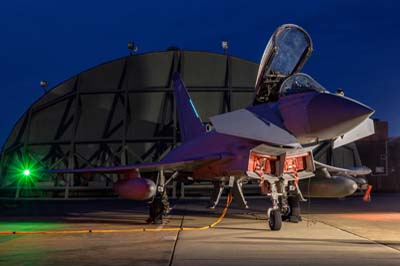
{"type": "Point", "coordinates": [286, 53]}
{"type": "Point", "coordinates": [299, 83]}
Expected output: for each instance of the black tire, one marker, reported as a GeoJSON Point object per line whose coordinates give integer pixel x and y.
{"type": "Point", "coordinates": [286, 215]}
{"type": "Point", "coordinates": [156, 210]}
{"type": "Point", "coordinates": [275, 220]}
{"type": "Point", "coordinates": [294, 204]}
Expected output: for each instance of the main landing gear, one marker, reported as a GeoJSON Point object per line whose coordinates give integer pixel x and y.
{"type": "Point", "coordinates": [159, 205]}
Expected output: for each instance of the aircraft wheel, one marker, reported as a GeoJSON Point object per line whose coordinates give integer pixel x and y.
{"type": "Point", "coordinates": [156, 210]}
{"type": "Point", "coordinates": [275, 220]}
{"type": "Point", "coordinates": [286, 214]}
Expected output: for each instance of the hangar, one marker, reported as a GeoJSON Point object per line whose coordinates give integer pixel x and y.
{"type": "Point", "coordinates": [122, 112]}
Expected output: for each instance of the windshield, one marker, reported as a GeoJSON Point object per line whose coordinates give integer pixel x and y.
{"type": "Point", "coordinates": [299, 83]}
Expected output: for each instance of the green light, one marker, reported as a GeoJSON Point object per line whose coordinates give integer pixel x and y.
{"type": "Point", "coordinates": [27, 172]}
{"type": "Point", "coordinates": [24, 171]}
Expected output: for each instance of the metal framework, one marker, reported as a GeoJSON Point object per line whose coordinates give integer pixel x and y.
{"type": "Point", "coordinates": [122, 112]}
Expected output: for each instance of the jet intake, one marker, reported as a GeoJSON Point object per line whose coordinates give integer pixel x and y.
{"type": "Point", "coordinates": [280, 161]}
{"type": "Point", "coordinates": [135, 188]}
{"type": "Point", "coordinates": [328, 187]}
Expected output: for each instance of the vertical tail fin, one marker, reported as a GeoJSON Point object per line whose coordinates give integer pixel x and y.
{"type": "Point", "coordinates": [189, 120]}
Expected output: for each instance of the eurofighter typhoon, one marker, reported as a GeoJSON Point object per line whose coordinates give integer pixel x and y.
{"type": "Point", "coordinates": [271, 142]}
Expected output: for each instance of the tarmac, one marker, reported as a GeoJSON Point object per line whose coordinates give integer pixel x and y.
{"type": "Point", "coordinates": [333, 232]}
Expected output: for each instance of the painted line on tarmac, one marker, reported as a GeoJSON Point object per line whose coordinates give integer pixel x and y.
{"type": "Point", "coordinates": [363, 237]}
{"type": "Point", "coordinates": [171, 259]}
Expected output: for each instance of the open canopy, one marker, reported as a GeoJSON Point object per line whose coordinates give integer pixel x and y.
{"type": "Point", "coordinates": [285, 54]}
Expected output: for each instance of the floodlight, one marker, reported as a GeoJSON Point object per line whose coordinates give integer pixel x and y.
{"type": "Point", "coordinates": [132, 47]}
{"type": "Point", "coordinates": [224, 45]}
{"type": "Point", "coordinates": [43, 84]}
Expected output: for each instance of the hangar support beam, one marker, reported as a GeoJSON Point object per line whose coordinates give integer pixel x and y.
{"type": "Point", "coordinates": [122, 112]}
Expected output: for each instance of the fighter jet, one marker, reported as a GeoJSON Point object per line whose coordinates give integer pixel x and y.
{"type": "Point", "coordinates": [270, 142]}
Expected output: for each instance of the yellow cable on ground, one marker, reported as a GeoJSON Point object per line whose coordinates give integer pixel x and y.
{"type": "Point", "coordinates": [220, 218]}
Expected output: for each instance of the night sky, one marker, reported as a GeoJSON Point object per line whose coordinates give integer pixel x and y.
{"type": "Point", "coordinates": [356, 43]}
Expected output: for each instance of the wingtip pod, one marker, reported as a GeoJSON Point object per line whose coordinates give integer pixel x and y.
{"type": "Point", "coordinates": [189, 120]}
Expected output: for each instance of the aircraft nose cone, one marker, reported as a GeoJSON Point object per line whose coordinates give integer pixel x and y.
{"type": "Point", "coordinates": [332, 115]}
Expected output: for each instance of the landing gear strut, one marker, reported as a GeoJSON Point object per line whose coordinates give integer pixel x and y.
{"type": "Point", "coordinates": [156, 210]}
{"type": "Point", "coordinates": [274, 213]}
{"type": "Point", "coordinates": [285, 203]}
{"type": "Point", "coordinates": [159, 206]}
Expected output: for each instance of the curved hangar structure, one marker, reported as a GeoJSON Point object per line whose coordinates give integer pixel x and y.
{"type": "Point", "coordinates": [120, 112]}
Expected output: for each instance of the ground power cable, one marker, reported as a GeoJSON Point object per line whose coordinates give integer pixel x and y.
{"type": "Point", "coordinates": [133, 230]}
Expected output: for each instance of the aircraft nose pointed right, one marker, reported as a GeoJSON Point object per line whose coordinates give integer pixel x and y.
{"type": "Point", "coordinates": [336, 113]}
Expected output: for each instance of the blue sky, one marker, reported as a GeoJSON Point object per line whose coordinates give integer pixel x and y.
{"type": "Point", "coordinates": [356, 43]}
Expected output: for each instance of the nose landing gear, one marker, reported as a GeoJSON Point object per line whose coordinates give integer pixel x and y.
{"type": "Point", "coordinates": [274, 219]}
{"type": "Point", "coordinates": [285, 203]}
